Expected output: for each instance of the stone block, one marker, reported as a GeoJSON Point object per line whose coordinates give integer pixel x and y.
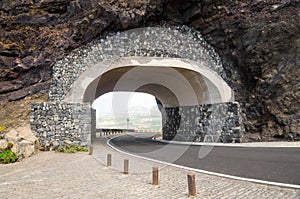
{"type": "Point", "coordinates": [27, 148]}
{"type": "Point", "coordinates": [3, 144]}
{"type": "Point", "coordinates": [12, 136]}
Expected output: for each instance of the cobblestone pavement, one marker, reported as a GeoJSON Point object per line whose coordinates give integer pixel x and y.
{"type": "Point", "coordinates": [54, 175]}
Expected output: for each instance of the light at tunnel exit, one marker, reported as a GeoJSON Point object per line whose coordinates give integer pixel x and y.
{"type": "Point", "coordinates": [114, 108]}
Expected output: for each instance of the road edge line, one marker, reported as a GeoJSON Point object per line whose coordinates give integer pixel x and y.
{"type": "Point", "coordinates": [154, 138]}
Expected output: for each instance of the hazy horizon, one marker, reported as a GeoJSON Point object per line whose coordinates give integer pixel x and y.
{"type": "Point", "coordinates": [113, 109]}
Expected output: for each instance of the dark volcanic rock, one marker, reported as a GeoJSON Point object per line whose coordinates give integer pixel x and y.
{"type": "Point", "coordinates": [258, 41]}
{"type": "Point", "coordinates": [261, 41]}
{"type": "Point", "coordinates": [35, 34]}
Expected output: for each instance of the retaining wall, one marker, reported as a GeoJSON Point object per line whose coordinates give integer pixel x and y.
{"type": "Point", "coordinates": [58, 123]}
{"type": "Point", "coordinates": [208, 122]}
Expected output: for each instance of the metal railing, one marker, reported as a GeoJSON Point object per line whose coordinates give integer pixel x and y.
{"type": "Point", "coordinates": [103, 132]}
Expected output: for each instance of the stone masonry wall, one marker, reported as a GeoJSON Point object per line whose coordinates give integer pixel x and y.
{"type": "Point", "coordinates": [208, 122]}
{"type": "Point", "coordinates": [58, 123]}
{"type": "Point", "coordinates": [181, 42]}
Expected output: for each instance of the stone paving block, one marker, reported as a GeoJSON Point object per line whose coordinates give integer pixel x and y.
{"type": "Point", "coordinates": [56, 175]}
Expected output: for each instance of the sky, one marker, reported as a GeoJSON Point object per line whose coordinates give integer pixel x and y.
{"type": "Point", "coordinates": [124, 102]}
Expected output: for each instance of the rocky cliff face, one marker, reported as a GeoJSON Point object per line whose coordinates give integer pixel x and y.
{"type": "Point", "coordinates": [258, 41]}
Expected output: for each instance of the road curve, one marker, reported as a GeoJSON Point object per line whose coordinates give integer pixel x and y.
{"type": "Point", "coordinates": [280, 165]}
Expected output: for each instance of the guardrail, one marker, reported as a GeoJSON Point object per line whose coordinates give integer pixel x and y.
{"type": "Point", "coordinates": [108, 132]}
{"type": "Point", "coordinates": [147, 131]}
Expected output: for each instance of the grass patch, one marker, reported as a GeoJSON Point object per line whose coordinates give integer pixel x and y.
{"type": "Point", "coordinates": [7, 155]}
{"type": "Point", "coordinates": [72, 148]}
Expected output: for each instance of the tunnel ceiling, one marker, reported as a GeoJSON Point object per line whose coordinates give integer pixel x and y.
{"type": "Point", "coordinates": [174, 81]}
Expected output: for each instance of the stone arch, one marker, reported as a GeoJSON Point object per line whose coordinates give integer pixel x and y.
{"type": "Point", "coordinates": [179, 42]}
{"type": "Point", "coordinates": [175, 64]}
{"type": "Point", "coordinates": [180, 79]}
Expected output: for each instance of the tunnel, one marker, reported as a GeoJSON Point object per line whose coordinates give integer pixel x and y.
{"type": "Point", "coordinates": [174, 64]}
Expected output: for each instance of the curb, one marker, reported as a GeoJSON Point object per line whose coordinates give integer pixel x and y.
{"type": "Point", "coordinates": [251, 144]}
{"type": "Point", "coordinates": [294, 186]}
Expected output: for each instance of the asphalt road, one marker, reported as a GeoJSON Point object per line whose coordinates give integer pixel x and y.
{"type": "Point", "coordinates": [270, 164]}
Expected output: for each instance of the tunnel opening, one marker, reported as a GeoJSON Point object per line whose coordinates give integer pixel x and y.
{"type": "Point", "coordinates": [139, 114]}
{"type": "Point", "coordinates": [196, 104]}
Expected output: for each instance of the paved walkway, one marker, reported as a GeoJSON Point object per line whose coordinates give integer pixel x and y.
{"type": "Point", "coordinates": [52, 175]}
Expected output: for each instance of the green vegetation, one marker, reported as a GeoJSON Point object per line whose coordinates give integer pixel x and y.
{"type": "Point", "coordinates": [7, 155]}
{"type": "Point", "coordinates": [2, 128]}
{"type": "Point", "coordinates": [71, 148]}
